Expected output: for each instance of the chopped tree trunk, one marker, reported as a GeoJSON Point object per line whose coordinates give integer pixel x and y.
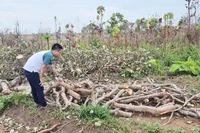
{"type": "Point", "coordinates": [149, 109]}
{"type": "Point", "coordinates": [70, 89]}
{"type": "Point", "coordinates": [83, 91]}
{"type": "Point", "coordinates": [67, 86]}
{"type": "Point", "coordinates": [107, 95]}
{"type": "Point", "coordinates": [5, 87]}
{"type": "Point", "coordinates": [117, 96]}
{"type": "Point", "coordinates": [136, 87]}
{"type": "Point", "coordinates": [57, 97]}
{"type": "Point", "coordinates": [189, 113]}
{"type": "Point", "coordinates": [47, 91]}
{"type": "Point", "coordinates": [1, 87]}
{"type": "Point", "coordinates": [125, 86]}
{"type": "Point", "coordinates": [121, 113]}
{"type": "Point", "coordinates": [20, 60]}
{"type": "Point", "coordinates": [65, 99]}
{"type": "Point", "coordinates": [74, 94]}
{"type": "Point", "coordinates": [15, 81]}
{"type": "Point", "coordinates": [129, 91]}
{"type": "Point", "coordinates": [86, 84]}
{"type": "Point", "coordinates": [21, 88]}
{"type": "Point", "coordinates": [136, 98]}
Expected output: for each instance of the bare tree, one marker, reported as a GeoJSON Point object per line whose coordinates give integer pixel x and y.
{"type": "Point", "coordinates": [17, 31]}
{"type": "Point", "coordinates": [2, 35]}
{"type": "Point", "coordinates": [192, 9]}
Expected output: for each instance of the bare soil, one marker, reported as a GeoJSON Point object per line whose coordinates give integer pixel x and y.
{"type": "Point", "coordinates": [22, 115]}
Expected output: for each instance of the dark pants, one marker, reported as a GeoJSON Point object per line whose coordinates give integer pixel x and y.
{"type": "Point", "coordinates": [36, 89]}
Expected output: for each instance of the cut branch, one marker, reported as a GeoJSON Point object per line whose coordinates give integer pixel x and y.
{"type": "Point", "coordinates": [65, 99]}
{"type": "Point", "coordinates": [161, 94]}
{"type": "Point", "coordinates": [121, 113]}
{"type": "Point", "coordinates": [57, 95]}
{"type": "Point", "coordinates": [117, 96]}
{"type": "Point", "coordinates": [50, 129]}
{"type": "Point", "coordinates": [152, 110]}
{"type": "Point", "coordinates": [107, 95]}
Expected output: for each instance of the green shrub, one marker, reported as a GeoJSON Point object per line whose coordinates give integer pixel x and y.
{"type": "Point", "coordinates": [188, 66]}
{"type": "Point", "coordinates": [95, 42]}
{"type": "Point", "coordinates": [156, 67]}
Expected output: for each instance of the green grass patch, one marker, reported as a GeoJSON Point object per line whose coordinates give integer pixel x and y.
{"type": "Point", "coordinates": [99, 116]}
{"type": "Point", "coordinates": [149, 127]}
{"type": "Point", "coordinates": [14, 99]}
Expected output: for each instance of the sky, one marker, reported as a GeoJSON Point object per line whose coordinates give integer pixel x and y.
{"type": "Point", "coordinates": [33, 15]}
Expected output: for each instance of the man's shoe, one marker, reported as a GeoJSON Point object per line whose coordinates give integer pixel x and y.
{"type": "Point", "coordinates": [37, 105]}
{"type": "Point", "coordinates": [45, 107]}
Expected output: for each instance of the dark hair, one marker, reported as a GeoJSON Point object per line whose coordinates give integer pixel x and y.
{"type": "Point", "coordinates": [56, 46]}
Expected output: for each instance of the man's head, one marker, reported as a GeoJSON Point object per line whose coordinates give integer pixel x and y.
{"type": "Point", "coordinates": [56, 49]}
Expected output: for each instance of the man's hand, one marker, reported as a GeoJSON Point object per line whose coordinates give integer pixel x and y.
{"type": "Point", "coordinates": [41, 82]}
{"type": "Point", "coordinates": [59, 79]}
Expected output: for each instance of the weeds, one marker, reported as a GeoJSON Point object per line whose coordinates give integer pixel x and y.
{"type": "Point", "coordinates": [150, 128]}
{"type": "Point", "coordinates": [167, 130]}
{"type": "Point", "coordinates": [95, 42]}
{"type": "Point", "coordinates": [90, 112]}
{"type": "Point", "coordinates": [197, 130]}
{"type": "Point", "coordinates": [179, 130]}
{"type": "Point", "coordinates": [59, 114]}
{"type": "Point", "coordinates": [34, 111]}
{"type": "Point", "coordinates": [14, 99]}
{"type": "Point", "coordinates": [96, 111]}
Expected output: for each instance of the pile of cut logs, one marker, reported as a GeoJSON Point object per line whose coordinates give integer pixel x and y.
{"type": "Point", "coordinates": [124, 99]}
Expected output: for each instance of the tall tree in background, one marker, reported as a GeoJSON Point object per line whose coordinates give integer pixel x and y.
{"type": "Point", "coordinates": [100, 12]}
{"type": "Point", "coordinates": [56, 25]}
{"type": "Point", "coordinates": [192, 8]}
{"type": "Point", "coordinates": [2, 34]}
{"type": "Point", "coordinates": [17, 31]}
{"type": "Point", "coordinates": [116, 23]}
{"type": "Point", "coordinates": [168, 17]}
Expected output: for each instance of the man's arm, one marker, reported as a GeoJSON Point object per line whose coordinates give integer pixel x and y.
{"type": "Point", "coordinates": [42, 71]}
{"type": "Point", "coordinates": [53, 69]}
